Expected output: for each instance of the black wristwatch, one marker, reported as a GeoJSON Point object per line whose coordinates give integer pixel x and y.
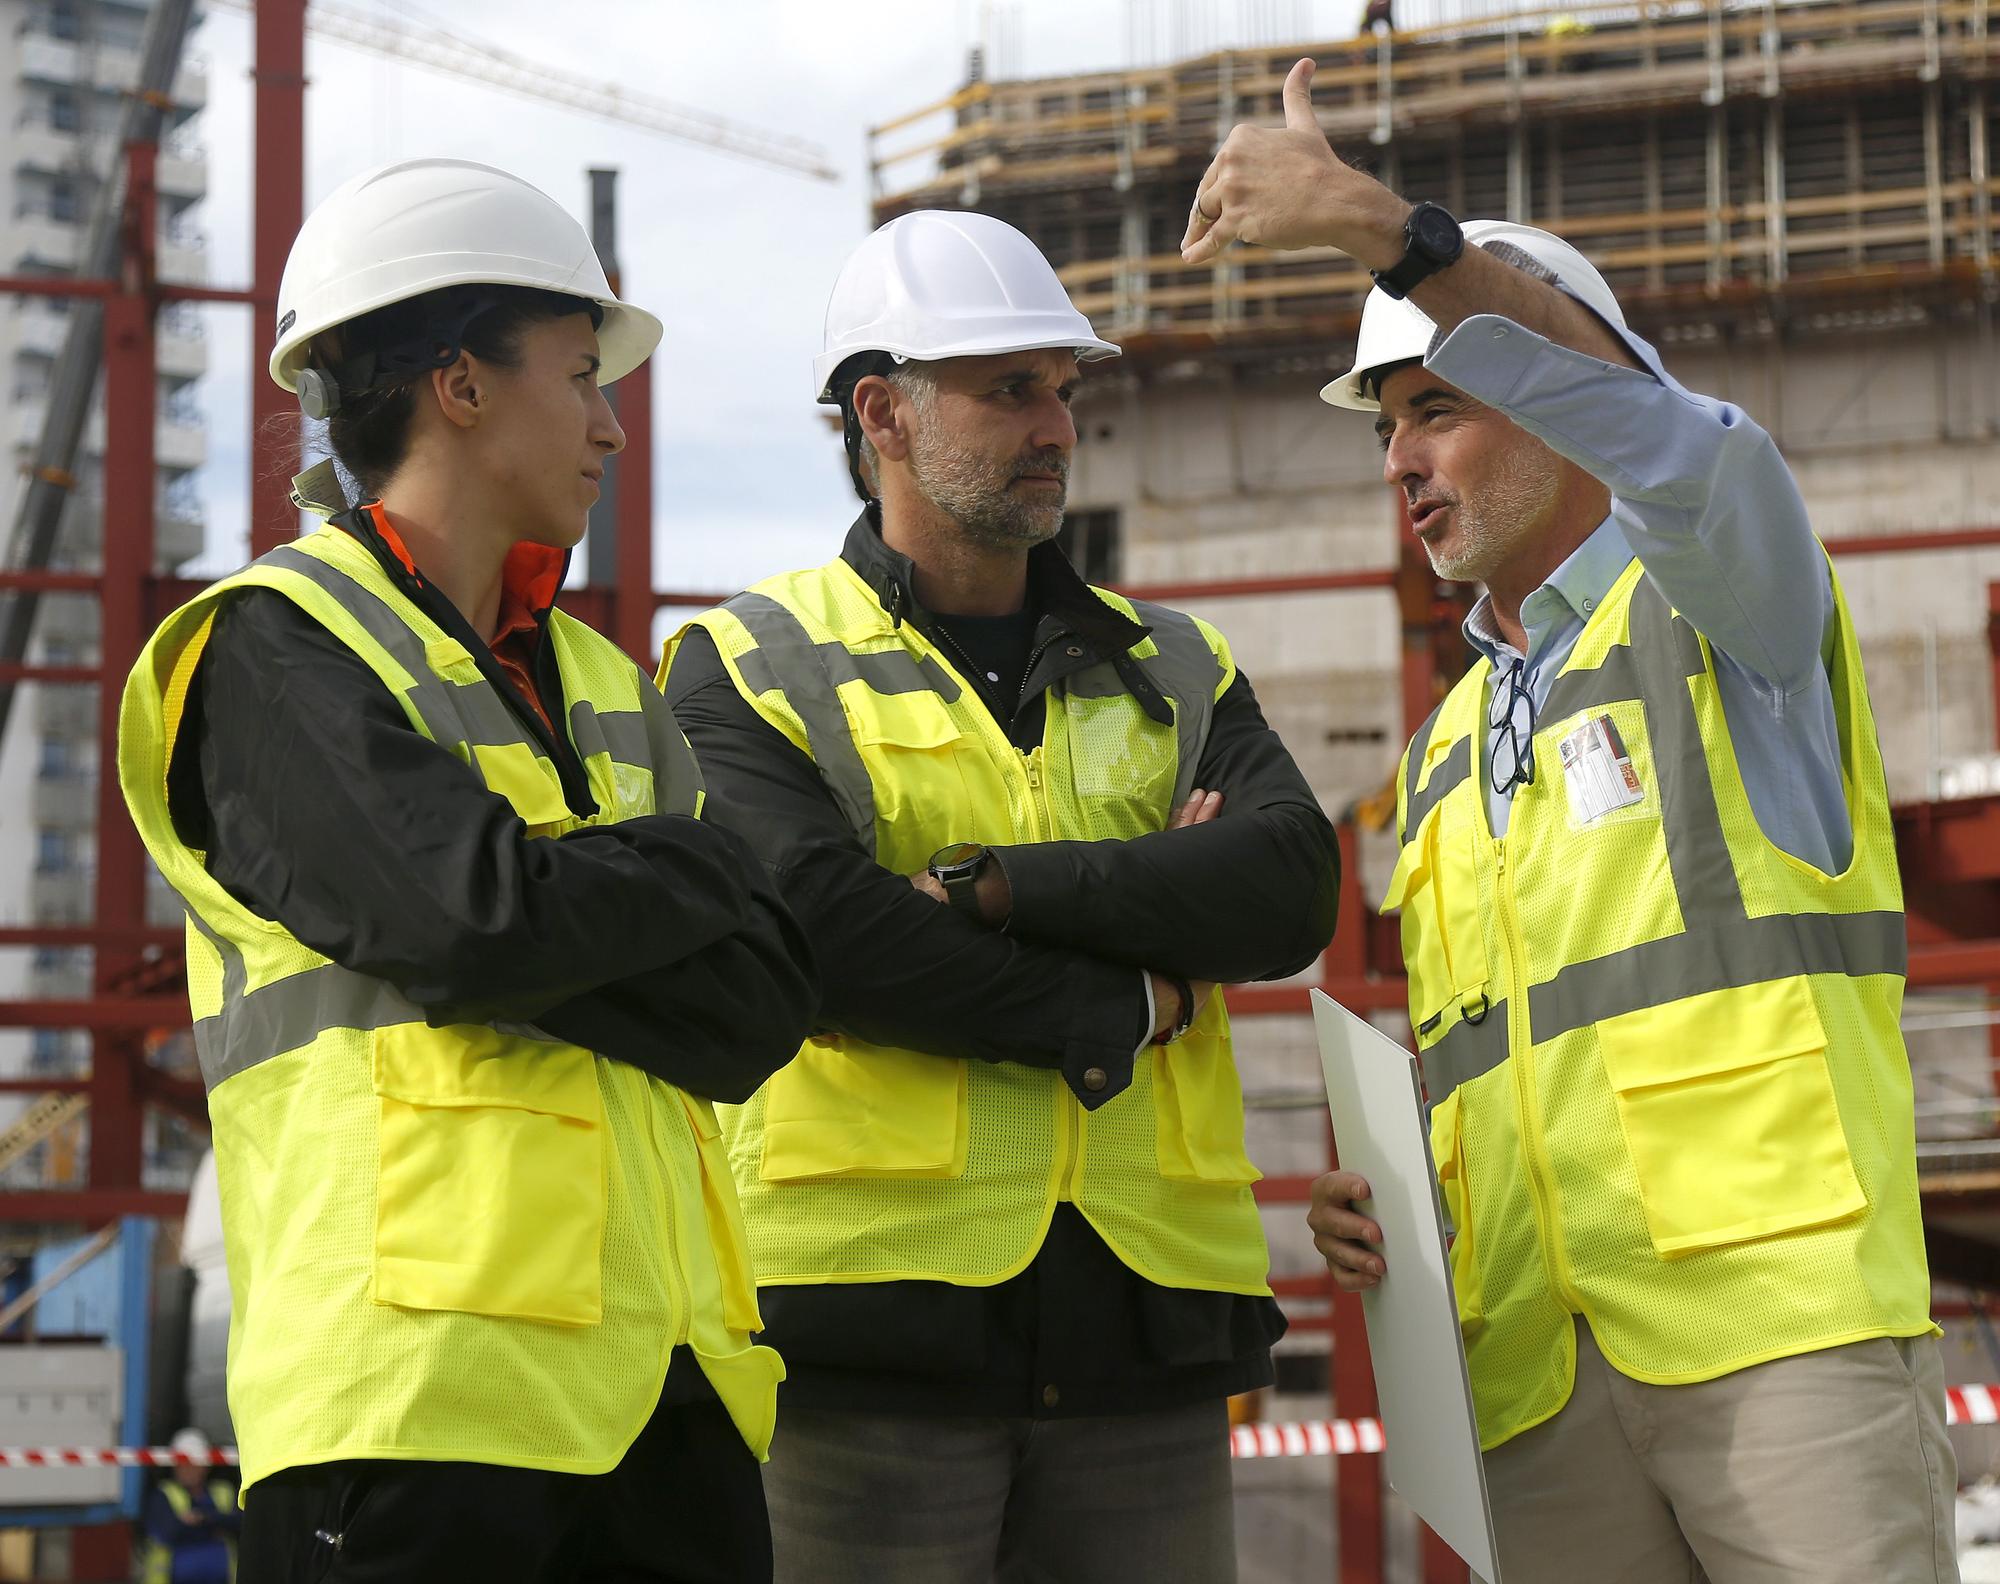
{"type": "Point", "coordinates": [1432, 241]}
{"type": "Point", "coordinates": [957, 868]}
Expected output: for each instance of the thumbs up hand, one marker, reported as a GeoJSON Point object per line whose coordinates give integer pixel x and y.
{"type": "Point", "coordinates": [1286, 188]}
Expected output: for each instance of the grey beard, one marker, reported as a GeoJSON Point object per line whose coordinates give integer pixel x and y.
{"type": "Point", "coordinates": [978, 497]}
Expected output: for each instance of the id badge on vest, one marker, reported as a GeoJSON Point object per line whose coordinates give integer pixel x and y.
{"type": "Point", "coordinates": [1597, 771]}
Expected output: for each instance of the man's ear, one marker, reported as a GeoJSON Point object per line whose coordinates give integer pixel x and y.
{"type": "Point", "coordinates": [884, 421]}
{"type": "Point", "coordinates": [458, 392]}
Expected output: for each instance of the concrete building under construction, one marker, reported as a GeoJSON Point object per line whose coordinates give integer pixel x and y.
{"type": "Point", "coordinates": [1794, 202]}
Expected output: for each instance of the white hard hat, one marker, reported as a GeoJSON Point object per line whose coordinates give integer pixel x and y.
{"type": "Point", "coordinates": [1395, 330]}
{"type": "Point", "coordinates": [938, 283]}
{"type": "Point", "coordinates": [405, 229]}
{"type": "Point", "coordinates": [191, 1443]}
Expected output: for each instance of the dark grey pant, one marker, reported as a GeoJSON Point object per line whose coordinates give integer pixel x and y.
{"type": "Point", "coordinates": [860, 1498]}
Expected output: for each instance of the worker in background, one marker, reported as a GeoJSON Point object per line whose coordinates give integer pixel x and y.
{"type": "Point", "coordinates": [1000, 1204]}
{"type": "Point", "coordinates": [467, 968]}
{"type": "Point", "coordinates": [191, 1520]}
{"type": "Point", "coordinates": [1653, 928]}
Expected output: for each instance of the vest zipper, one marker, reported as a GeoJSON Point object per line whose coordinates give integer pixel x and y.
{"type": "Point", "coordinates": [1541, 1175]}
{"type": "Point", "coordinates": [1070, 1120]}
{"type": "Point", "coordinates": [1028, 673]}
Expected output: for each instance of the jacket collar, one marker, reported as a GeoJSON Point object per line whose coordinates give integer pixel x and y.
{"type": "Point", "coordinates": [530, 578]}
{"type": "Point", "coordinates": [1055, 589]}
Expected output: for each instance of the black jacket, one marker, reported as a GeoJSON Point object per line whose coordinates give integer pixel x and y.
{"type": "Point", "coordinates": [1249, 896]}
{"type": "Point", "coordinates": [659, 941]}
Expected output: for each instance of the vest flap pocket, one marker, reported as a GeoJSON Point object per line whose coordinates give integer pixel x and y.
{"type": "Point", "coordinates": [491, 1186]}
{"type": "Point", "coordinates": [852, 1109]}
{"type": "Point", "coordinates": [726, 1232]}
{"type": "Point", "coordinates": [474, 1064]}
{"type": "Point", "coordinates": [1436, 884]}
{"type": "Point", "coordinates": [1198, 1105]}
{"type": "Point", "coordinates": [1411, 874]}
{"type": "Point", "coordinates": [904, 720]}
{"type": "Point", "coordinates": [1730, 1116]}
{"type": "Point", "coordinates": [524, 779]}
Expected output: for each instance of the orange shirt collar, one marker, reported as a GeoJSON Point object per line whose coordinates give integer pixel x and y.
{"type": "Point", "coordinates": [529, 578]}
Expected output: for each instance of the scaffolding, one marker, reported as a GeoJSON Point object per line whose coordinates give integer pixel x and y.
{"type": "Point", "coordinates": [1712, 160]}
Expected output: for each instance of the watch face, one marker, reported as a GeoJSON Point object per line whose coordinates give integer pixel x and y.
{"type": "Point", "coordinates": [1437, 233]}
{"type": "Point", "coordinates": [956, 854]}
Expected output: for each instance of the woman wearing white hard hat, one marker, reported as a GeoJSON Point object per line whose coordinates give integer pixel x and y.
{"type": "Point", "coordinates": [1653, 928]}
{"type": "Point", "coordinates": [467, 969]}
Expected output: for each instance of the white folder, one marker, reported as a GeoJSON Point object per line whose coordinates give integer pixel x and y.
{"type": "Point", "coordinates": [1432, 1435]}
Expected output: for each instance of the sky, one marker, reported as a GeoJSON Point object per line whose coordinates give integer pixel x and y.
{"type": "Point", "coordinates": [736, 258]}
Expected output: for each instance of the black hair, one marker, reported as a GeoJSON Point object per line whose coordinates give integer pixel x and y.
{"type": "Point", "coordinates": [380, 359]}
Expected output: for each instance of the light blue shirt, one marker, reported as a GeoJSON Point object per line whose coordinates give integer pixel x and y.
{"type": "Point", "coordinates": [1700, 494]}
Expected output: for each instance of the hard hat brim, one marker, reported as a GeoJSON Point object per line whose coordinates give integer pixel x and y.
{"type": "Point", "coordinates": [626, 338]}
{"type": "Point", "coordinates": [1089, 350]}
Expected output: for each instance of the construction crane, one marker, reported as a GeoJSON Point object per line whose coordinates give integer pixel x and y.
{"type": "Point", "coordinates": [428, 44]}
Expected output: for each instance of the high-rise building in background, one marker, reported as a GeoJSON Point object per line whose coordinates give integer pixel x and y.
{"type": "Point", "coordinates": [65, 67]}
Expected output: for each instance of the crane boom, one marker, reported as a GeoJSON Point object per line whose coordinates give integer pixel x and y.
{"type": "Point", "coordinates": [437, 49]}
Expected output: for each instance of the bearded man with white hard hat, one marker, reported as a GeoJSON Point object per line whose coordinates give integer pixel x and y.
{"type": "Point", "coordinates": [1653, 928]}
{"type": "Point", "coordinates": [999, 1204]}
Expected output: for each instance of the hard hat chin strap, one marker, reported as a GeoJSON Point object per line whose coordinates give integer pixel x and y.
{"type": "Point", "coordinates": [851, 436]}
{"type": "Point", "coordinates": [850, 374]}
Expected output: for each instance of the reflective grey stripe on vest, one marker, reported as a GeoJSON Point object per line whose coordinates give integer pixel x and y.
{"type": "Point", "coordinates": [787, 661]}
{"type": "Point", "coordinates": [1188, 672]}
{"type": "Point", "coordinates": [256, 1025]}
{"type": "Point", "coordinates": [1413, 763]}
{"type": "Point", "coordinates": [649, 737]}
{"type": "Point", "coordinates": [1453, 768]}
{"type": "Point", "coordinates": [677, 782]}
{"type": "Point", "coordinates": [1723, 956]}
{"type": "Point", "coordinates": [1704, 874]}
{"type": "Point", "coordinates": [1467, 1050]}
{"type": "Point", "coordinates": [475, 714]}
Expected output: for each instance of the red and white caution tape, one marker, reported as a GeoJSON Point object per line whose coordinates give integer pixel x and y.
{"type": "Point", "coordinates": [98, 1457]}
{"type": "Point", "coordinates": [1972, 1405]}
{"type": "Point", "coordinates": [1306, 1438]}
{"type": "Point", "coordinates": [1964, 1405]}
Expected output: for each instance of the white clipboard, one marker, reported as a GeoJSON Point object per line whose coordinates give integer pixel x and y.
{"type": "Point", "coordinates": [1428, 1424]}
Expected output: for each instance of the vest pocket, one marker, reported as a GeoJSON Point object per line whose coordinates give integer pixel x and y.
{"type": "Point", "coordinates": [1436, 885]}
{"type": "Point", "coordinates": [1198, 1107]}
{"type": "Point", "coordinates": [845, 1108]}
{"type": "Point", "coordinates": [491, 1189]}
{"type": "Point", "coordinates": [909, 745]}
{"type": "Point", "coordinates": [726, 1233]}
{"type": "Point", "coordinates": [1455, 1187]}
{"type": "Point", "coordinates": [1729, 1115]}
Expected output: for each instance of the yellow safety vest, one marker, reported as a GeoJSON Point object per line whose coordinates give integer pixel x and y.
{"type": "Point", "coordinates": [158, 1565]}
{"type": "Point", "coordinates": [858, 1162]}
{"type": "Point", "coordinates": [1669, 1087]}
{"type": "Point", "coordinates": [473, 1242]}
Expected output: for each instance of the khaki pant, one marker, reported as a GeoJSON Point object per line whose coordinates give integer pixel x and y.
{"type": "Point", "coordinates": [1827, 1468]}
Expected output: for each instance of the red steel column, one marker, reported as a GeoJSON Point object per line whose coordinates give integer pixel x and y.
{"type": "Point", "coordinates": [278, 149]}
{"type": "Point", "coordinates": [130, 402]}
{"type": "Point", "coordinates": [632, 604]}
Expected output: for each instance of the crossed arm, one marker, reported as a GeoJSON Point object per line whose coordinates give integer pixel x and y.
{"type": "Point", "coordinates": [1056, 988]}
